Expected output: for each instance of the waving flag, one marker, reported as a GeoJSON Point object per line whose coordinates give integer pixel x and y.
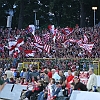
{"type": "Point", "coordinates": [46, 37]}
{"type": "Point", "coordinates": [29, 53]}
{"type": "Point", "coordinates": [38, 46]}
{"type": "Point", "coordinates": [15, 44]}
{"type": "Point", "coordinates": [85, 39]}
{"type": "Point", "coordinates": [37, 39]}
{"type": "Point", "coordinates": [87, 47]}
{"type": "Point", "coordinates": [67, 31]}
{"type": "Point", "coordinates": [19, 42]}
{"type": "Point", "coordinates": [47, 48]}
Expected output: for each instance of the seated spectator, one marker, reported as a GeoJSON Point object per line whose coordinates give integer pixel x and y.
{"type": "Point", "coordinates": [11, 81]}
{"type": "Point", "coordinates": [9, 73]}
{"type": "Point", "coordinates": [25, 82]}
{"type": "Point", "coordinates": [55, 75]}
{"type": "Point", "coordinates": [39, 87]}
{"type": "Point", "coordinates": [17, 81]}
{"type": "Point", "coordinates": [5, 79]}
{"type": "Point", "coordinates": [78, 85]}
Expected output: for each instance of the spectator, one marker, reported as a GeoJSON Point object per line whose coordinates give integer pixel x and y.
{"type": "Point", "coordinates": [63, 78]}
{"type": "Point", "coordinates": [5, 79]}
{"type": "Point", "coordinates": [11, 80]}
{"type": "Point", "coordinates": [9, 73]}
{"type": "Point", "coordinates": [92, 82]}
{"type": "Point", "coordinates": [55, 75]}
{"type": "Point", "coordinates": [39, 87]}
{"type": "Point", "coordinates": [15, 56]}
{"type": "Point", "coordinates": [33, 73]}
{"type": "Point", "coordinates": [46, 78]}
{"type": "Point", "coordinates": [78, 85]}
{"type": "Point", "coordinates": [49, 73]}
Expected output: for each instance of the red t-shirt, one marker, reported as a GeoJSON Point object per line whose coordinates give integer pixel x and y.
{"type": "Point", "coordinates": [50, 74]}
{"type": "Point", "coordinates": [15, 54]}
{"type": "Point", "coordinates": [70, 78]}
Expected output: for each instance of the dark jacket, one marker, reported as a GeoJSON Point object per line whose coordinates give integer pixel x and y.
{"type": "Point", "coordinates": [80, 86]}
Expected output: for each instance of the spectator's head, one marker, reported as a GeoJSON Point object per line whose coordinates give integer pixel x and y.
{"type": "Point", "coordinates": [45, 72]}
{"type": "Point", "coordinates": [53, 71]}
{"type": "Point", "coordinates": [24, 69]}
{"type": "Point", "coordinates": [5, 75]}
{"type": "Point", "coordinates": [72, 85]}
{"type": "Point", "coordinates": [61, 73]}
{"type": "Point", "coordinates": [69, 72]}
{"type": "Point", "coordinates": [75, 73]}
{"type": "Point", "coordinates": [76, 79]}
{"type": "Point", "coordinates": [17, 80]}
{"type": "Point", "coordinates": [8, 68]}
{"type": "Point", "coordinates": [91, 71]}
{"type": "Point", "coordinates": [11, 79]}
{"type": "Point", "coordinates": [52, 81]}
{"type": "Point", "coordinates": [40, 83]}
{"type": "Point", "coordinates": [33, 68]}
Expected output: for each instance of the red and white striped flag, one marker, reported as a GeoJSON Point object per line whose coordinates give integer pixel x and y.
{"type": "Point", "coordinates": [47, 48]}
{"type": "Point", "coordinates": [72, 40]}
{"type": "Point", "coordinates": [46, 37]}
{"type": "Point", "coordinates": [85, 39]}
{"type": "Point", "coordinates": [68, 30]}
{"type": "Point", "coordinates": [59, 36]}
{"type": "Point", "coordinates": [37, 39]}
{"type": "Point", "coordinates": [87, 47]}
{"type": "Point", "coordinates": [38, 46]}
{"type": "Point", "coordinates": [29, 53]}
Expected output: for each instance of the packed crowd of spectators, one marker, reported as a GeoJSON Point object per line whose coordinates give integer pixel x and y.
{"type": "Point", "coordinates": [48, 84]}
{"type": "Point", "coordinates": [57, 49]}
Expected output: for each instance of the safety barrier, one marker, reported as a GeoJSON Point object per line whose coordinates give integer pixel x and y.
{"type": "Point", "coordinates": [62, 63]}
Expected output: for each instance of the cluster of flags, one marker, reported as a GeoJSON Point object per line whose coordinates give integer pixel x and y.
{"type": "Point", "coordinates": [42, 45]}
{"type": "Point", "coordinates": [82, 43]}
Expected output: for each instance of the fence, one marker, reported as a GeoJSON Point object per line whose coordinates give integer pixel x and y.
{"type": "Point", "coordinates": [61, 63]}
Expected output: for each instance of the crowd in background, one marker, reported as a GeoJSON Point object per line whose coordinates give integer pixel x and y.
{"type": "Point", "coordinates": [57, 49]}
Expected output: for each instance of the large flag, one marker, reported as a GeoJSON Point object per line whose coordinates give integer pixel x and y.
{"type": "Point", "coordinates": [87, 47]}
{"type": "Point", "coordinates": [38, 46]}
{"type": "Point", "coordinates": [47, 48]}
{"type": "Point", "coordinates": [46, 37]}
{"type": "Point", "coordinates": [37, 39]}
{"type": "Point", "coordinates": [12, 46]}
{"type": "Point", "coordinates": [19, 42]}
{"type": "Point", "coordinates": [15, 44]}
{"type": "Point", "coordinates": [29, 53]}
